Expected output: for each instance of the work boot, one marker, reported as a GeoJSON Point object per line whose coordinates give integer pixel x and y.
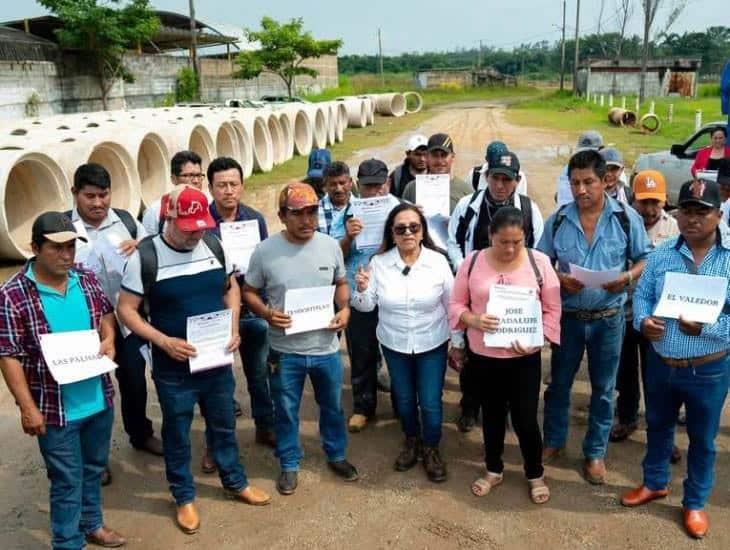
{"type": "Point", "coordinates": [594, 470]}
{"type": "Point", "coordinates": [106, 538]}
{"type": "Point", "coordinates": [287, 483]}
{"type": "Point", "coordinates": [344, 469]}
{"type": "Point", "coordinates": [251, 495]}
{"type": "Point", "coordinates": [188, 519]}
{"type": "Point", "coordinates": [409, 455]}
{"type": "Point", "coordinates": [433, 464]}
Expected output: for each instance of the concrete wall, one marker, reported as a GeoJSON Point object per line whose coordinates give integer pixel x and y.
{"type": "Point", "coordinates": [626, 83]}
{"type": "Point", "coordinates": [67, 86]}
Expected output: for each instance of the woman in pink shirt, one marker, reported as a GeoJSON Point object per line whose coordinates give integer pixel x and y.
{"type": "Point", "coordinates": [507, 378]}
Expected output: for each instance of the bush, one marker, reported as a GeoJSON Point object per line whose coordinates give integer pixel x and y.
{"type": "Point", "coordinates": [186, 86]}
{"type": "Point", "coordinates": [708, 90]}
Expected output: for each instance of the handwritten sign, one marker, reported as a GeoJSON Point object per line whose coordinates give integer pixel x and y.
{"type": "Point", "coordinates": [520, 317]}
{"type": "Point", "coordinates": [697, 298]}
{"type": "Point", "coordinates": [309, 308]}
{"type": "Point", "coordinates": [74, 356]}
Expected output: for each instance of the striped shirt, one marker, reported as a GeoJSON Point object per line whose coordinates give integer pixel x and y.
{"type": "Point", "coordinates": [22, 321]}
{"type": "Point", "coordinates": [667, 257]}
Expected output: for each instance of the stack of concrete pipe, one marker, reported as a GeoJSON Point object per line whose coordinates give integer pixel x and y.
{"type": "Point", "coordinates": [38, 158]}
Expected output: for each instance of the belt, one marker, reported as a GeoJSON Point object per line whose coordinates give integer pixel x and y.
{"type": "Point", "coordinates": [592, 315]}
{"type": "Point", "coordinates": [694, 361]}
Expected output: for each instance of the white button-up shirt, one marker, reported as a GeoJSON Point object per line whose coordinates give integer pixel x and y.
{"type": "Point", "coordinates": [412, 308]}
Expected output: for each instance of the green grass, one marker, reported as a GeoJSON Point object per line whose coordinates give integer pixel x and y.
{"type": "Point", "coordinates": [561, 111]}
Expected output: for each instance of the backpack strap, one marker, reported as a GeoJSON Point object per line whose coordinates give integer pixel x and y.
{"type": "Point", "coordinates": [128, 220]}
{"type": "Point", "coordinates": [216, 247]}
{"type": "Point", "coordinates": [464, 222]}
{"type": "Point", "coordinates": [471, 263]}
{"type": "Point", "coordinates": [476, 174]}
{"type": "Point", "coordinates": [623, 220]}
{"type": "Point", "coordinates": [526, 208]}
{"type": "Point", "coordinates": [533, 263]}
{"type": "Point", "coordinates": [558, 220]}
{"type": "Point", "coordinates": [148, 262]}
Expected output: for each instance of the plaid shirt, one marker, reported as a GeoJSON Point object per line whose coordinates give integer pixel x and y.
{"type": "Point", "coordinates": [22, 321]}
{"type": "Point", "coordinates": [327, 215]}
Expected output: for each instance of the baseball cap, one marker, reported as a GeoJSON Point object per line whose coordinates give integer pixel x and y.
{"type": "Point", "coordinates": [297, 195]}
{"type": "Point", "coordinates": [723, 172]}
{"type": "Point", "coordinates": [650, 184]}
{"type": "Point", "coordinates": [416, 141]}
{"type": "Point", "coordinates": [495, 148]}
{"type": "Point", "coordinates": [319, 159]}
{"type": "Point", "coordinates": [589, 140]}
{"type": "Point", "coordinates": [189, 208]}
{"type": "Point", "coordinates": [612, 156]}
{"type": "Point", "coordinates": [702, 192]}
{"type": "Point", "coordinates": [507, 164]}
{"type": "Point", "coordinates": [372, 172]}
{"type": "Point", "coordinates": [56, 227]}
{"type": "Point", "coordinates": [440, 142]}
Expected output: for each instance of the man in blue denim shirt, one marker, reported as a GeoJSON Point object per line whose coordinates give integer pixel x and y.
{"type": "Point", "coordinates": [594, 232]}
{"type": "Point", "coordinates": [688, 362]}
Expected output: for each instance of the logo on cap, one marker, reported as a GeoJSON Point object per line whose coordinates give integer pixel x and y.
{"type": "Point", "coordinates": [650, 183]}
{"type": "Point", "coordinates": [505, 160]}
{"type": "Point", "coordinates": [698, 189]}
{"type": "Point", "coordinates": [193, 209]}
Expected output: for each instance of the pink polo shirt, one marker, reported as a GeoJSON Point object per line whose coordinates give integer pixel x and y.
{"type": "Point", "coordinates": [471, 293]}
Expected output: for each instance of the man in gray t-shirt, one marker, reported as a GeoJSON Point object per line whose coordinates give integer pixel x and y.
{"type": "Point", "coordinates": [300, 257]}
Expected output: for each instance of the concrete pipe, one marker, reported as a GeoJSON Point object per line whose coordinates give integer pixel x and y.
{"type": "Point", "coordinates": [226, 141]}
{"type": "Point", "coordinates": [31, 183]}
{"type": "Point", "coordinates": [201, 142]}
{"type": "Point", "coordinates": [621, 117]}
{"type": "Point", "coordinates": [286, 131]}
{"type": "Point", "coordinates": [319, 124]}
{"type": "Point", "coordinates": [357, 112]}
{"type": "Point", "coordinates": [301, 129]}
{"type": "Point", "coordinates": [277, 138]}
{"type": "Point", "coordinates": [650, 123]}
{"type": "Point", "coordinates": [126, 186]}
{"type": "Point", "coordinates": [246, 147]}
{"type": "Point", "coordinates": [331, 113]}
{"type": "Point", "coordinates": [416, 98]}
{"type": "Point", "coordinates": [390, 104]}
{"type": "Point", "coordinates": [341, 122]}
{"type": "Point", "coordinates": [258, 131]}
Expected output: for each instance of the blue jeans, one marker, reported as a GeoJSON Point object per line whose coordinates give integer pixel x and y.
{"type": "Point", "coordinates": [76, 455]}
{"type": "Point", "coordinates": [417, 381]}
{"type": "Point", "coordinates": [702, 390]}
{"type": "Point", "coordinates": [602, 340]}
{"type": "Point", "coordinates": [178, 394]}
{"type": "Point", "coordinates": [254, 350]}
{"type": "Point", "coordinates": [289, 371]}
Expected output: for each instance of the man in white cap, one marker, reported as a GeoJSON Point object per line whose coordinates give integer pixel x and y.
{"type": "Point", "coordinates": [414, 164]}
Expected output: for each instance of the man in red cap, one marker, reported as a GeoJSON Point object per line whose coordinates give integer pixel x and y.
{"type": "Point", "coordinates": [181, 273]}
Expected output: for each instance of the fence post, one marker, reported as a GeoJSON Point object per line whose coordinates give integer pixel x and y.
{"type": "Point", "coordinates": [652, 105]}
{"type": "Point", "coordinates": [610, 100]}
{"type": "Point", "coordinates": [698, 119]}
{"type": "Point", "coordinates": [601, 100]}
{"type": "Point", "coordinates": [623, 102]}
{"type": "Point", "coordinates": [670, 113]}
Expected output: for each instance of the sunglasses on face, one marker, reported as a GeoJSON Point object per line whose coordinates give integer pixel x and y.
{"type": "Point", "coordinates": [413, 228]}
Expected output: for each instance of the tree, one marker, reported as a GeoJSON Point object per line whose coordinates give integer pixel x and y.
{"type": "Point", "coordinates": [102, 30]}
{"type": "Point", "coordinates": [624, 11]}
{"type": "Point", "coordinates": [282, 50]}
{"type": "Point", "coordinates": [650, 8]}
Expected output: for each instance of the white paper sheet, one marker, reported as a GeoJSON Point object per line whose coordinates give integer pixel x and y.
{"type": "Point", "coordinates": [432, 194]}
{"type": "Point", "coordinates": [438, 228]}
{"type": "Point", "coordinates": [74, 356]}
{"type": "Point", "coordinates": [239, 240]}
{"type": "Point", "coordinates": [372, 212]}
{"type": "Point", "coordinates": [520, 317]}
{"type": "Point", "coordinates": [310, 308]}
{"type": "Point", "coordinates": [593, 279]}
{"type": "Point", "coordinates": [698, 298]}
{"type": "Point", "coordinates": [209, 334]}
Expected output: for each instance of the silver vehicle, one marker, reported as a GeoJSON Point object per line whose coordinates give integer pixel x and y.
{"type": "Point", "coordinates": [675, 164]}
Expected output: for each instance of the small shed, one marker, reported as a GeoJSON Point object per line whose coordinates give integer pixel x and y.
{"type": "Point", "coordinates": [667, 76]}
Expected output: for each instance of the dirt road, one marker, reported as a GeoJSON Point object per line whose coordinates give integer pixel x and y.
{"type": "Point", "coordinates": [385, 509]}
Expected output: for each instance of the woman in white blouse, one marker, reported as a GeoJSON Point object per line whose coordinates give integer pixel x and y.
{"type": "Point", "coordinates": [410, 282]}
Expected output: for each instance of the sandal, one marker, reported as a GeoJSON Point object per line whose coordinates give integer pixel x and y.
{"type": "Point", "coordinates": [539, 491]}
{"type": "Point", "coordinates": [482, 485]}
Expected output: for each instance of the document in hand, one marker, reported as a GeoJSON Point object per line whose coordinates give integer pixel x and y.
{"type": "Point", "coordinates": [593, 279]}
{"type": "Point", "coordinates": [432, 194]}
{"type": "Point", "coordinates": [372, 213]}
{"type": "Point", "coordinates": [697, 298]}
{"type": "Point", "coordinates": [74, 356]}
{"type": "Point", "coordinates": [210, 334]}
{"type": "Point", "coordinates": [239, 240]}
{"type": "Point", "coordinates": [310, 308]}
{"type": "Point", "coordinates": [520, 317]}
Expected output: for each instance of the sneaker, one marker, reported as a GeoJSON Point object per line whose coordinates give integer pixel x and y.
{"type": "Point", "coordinates": [357, 423]}
{"type": "Point", "coordinates": [344, 469]}
{"type": "Point", "coordinates": [287, 483]}
{"type": "Point", "coordinates": [433, 464]}
{"type": "Point", "coordinates": [410, 454]}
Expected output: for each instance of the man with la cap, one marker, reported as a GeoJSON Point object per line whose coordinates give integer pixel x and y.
{"type": "Point", "coordinates": [190, 279]}
{"type": "Point", "coordinates": [477, 176]}
{"type": "Point", "coordinates": [688, 362]}
{"type": "Point", "coordinates": [414, 164]}
{"type": "Point", "coordinates": [73, 422]}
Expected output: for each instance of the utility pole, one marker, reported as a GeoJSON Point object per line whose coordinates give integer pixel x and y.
{"type": "Point", "coordinates": [194, 48]}
{"type": "Point", "coordinates": [479, 57]}
{"type": "Point", "coordinates": [380, 55]}
{"type": "Point", "coordinates": [562, 53]}
{"type": "Point", "coordinates": [577, 48]}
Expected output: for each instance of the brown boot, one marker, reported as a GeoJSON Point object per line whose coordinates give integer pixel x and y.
{"type": "Point", "coordinates": [410, 454]}
{"type": "Point", "coordinates": [434, 466]}
{"type": "Point", "coordinates": [251, 495]}
{"type": "Point", "coordinates": [188, 519]}
{"type": "Point", "coordinates": [594, 471]}
{"type": "Point", "coordinates": [208, 464]}
{"type": "Point", "coordinates": [106, 538]}
{"type": "Point", "coordinates": [551, 454]}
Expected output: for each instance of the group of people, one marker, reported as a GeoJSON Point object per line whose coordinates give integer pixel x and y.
{"type": "Point", "coordinates": [409, 302]}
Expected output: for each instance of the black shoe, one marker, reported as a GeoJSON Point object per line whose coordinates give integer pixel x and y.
{"type": "Point", "coordinates": [106, 477]}
{"type": "Point", "coordinates": [410, 454]}
{"type": "Point", "coordinates": [266, 437]}
{"type": "Point", "coordinates": [434, 466]}
{"type": "Point", "coordinates": [237, 410]}
{"type": "Point", "coordinates": [344, 469]}
{"type": "Point", "coordinates": [151, 445]}
{"type": "Point", "coordinates": [287, 483]}
{"type": "Point", "coordinates": [466, 423]}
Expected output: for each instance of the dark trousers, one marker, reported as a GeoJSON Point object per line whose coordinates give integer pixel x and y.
{"type": "Point", "coordinates": [132, 388]}
{"type": "Point", "coordinates": [509, 385]}
{"type": "Point", "coordinates": [362, 346]}
{"type": "Point", "coordinates": [470, 400]}
{"type": "Point", "coordinates": [633, 357]}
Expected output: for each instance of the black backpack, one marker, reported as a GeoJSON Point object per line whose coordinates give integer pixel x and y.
{"type": "Point", "coordinates": [476, 174]}
{"type": "Point", "coordinates": [465, 220]}
{"type": "Point", "coordinates": [126, 218]}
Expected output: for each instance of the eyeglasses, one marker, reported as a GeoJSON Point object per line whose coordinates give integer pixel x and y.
{"type": "Point", "coordinates": [222, 185]}
{"type": "Point", "coordinates": [413, 228]}
{"type": "Point", "coordinates": [197, 176]}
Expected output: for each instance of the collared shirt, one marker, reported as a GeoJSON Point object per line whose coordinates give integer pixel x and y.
{"type": "Point", "coordinates": [22, 321]}
{"type": "Point", "coordinates": [666, 258]}
{"type": "Point", "coordinates": [662, 230]}
{"type": "Point", "coordinates": [412, 308]}
{"type": "Point", "coordinates": [331, 218]}
{"type": "Point", "coordinates": [606, 251]}
{"type": "Point", "coordinates": [565, 195]}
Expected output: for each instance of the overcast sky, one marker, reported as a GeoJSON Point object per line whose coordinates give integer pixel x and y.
{"type": "Point", "coordinates": [437, 25]}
